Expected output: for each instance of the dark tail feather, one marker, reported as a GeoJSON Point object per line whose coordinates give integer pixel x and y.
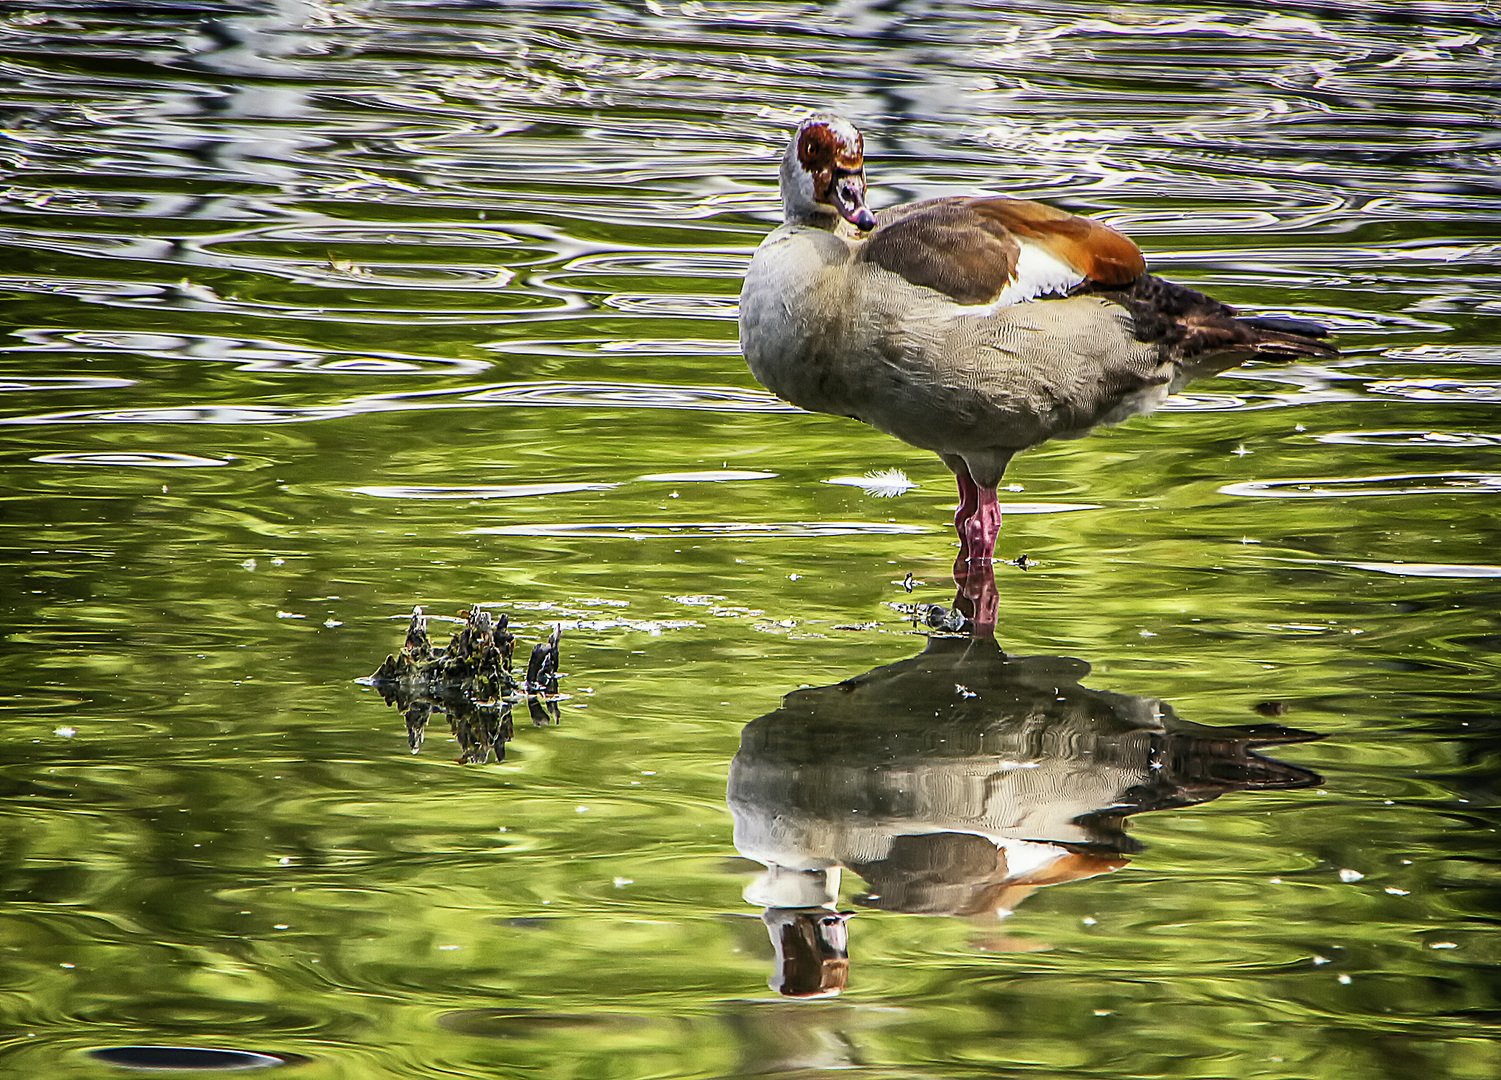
{"type": "Point", "coordinates": [1277, 337]}
{"type": "Point", "coordinates": [1203, 335]}
{"type": "Point", "coordinates": [1283, 324]}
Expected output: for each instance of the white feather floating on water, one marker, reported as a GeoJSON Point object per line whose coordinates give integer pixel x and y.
{"type": "Point", "coordinates": [882, 483]}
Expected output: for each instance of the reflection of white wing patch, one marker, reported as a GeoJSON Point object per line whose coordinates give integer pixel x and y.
{"type": "Point", "coordinates": [1038, 274]}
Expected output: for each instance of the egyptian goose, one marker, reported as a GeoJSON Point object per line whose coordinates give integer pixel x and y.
{"type": "Point", "coordinates": [973, 327]}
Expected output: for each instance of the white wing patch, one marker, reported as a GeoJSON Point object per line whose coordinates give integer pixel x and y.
{"type": "Point", "coordinates": [1037, 274]}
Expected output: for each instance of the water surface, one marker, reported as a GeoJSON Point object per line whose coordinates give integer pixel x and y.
{"type": "Point", "coordinates": [317, 311]}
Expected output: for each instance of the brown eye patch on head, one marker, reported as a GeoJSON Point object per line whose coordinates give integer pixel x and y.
{"type": "Point", "coordinates": [822, 151]}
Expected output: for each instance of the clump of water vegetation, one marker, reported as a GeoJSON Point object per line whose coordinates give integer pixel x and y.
{"type": "Point", "coordinates": [470, 680]}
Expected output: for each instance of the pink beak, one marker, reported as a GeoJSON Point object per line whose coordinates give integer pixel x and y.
{"type": "Point", "coordinates": [848, 196]}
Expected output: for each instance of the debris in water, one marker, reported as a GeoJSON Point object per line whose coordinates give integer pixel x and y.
{"type": "Point", "coordinates": [542, 668]}
{"type": "Point", "coordinates": [882, 483]}
{"type": "Point", "coordinates": [937, 617]}
{"type": "Point", "coordinates": [470, 680]}
{"type": "Point", "coordinates": [477, 659]}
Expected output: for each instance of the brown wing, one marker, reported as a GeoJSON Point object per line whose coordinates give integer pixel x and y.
{"type": "Point", "coordinates": [968, 248]}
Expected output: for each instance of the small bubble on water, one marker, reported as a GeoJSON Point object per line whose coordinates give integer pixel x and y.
{"type": "Point", "coordinates": [1350, 876]}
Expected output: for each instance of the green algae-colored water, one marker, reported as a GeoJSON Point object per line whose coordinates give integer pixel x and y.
{"type": "Point", "coordinates": [316, 311]}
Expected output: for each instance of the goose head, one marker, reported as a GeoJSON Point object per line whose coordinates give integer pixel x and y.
{"type": "Point", "coordinates": [823, 175]}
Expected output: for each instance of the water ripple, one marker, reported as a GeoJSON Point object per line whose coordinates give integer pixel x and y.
{"type": "Point", "coordinates": [707, 476]}
{"type": "Point", "coordinates": [247, 354]}
{"type": "Point", "coordinates": [536, 394]}
{"type": "Point", "coordinates": [144, 459]}
{"type": "Point", "coordinates": [1439, 389]}
{"type": "Point", "coordinates": [1455, 483]}
{"type": "Point", "coordinates": [1446, 354]}
{"type": "Point", "coordinates": [630, 396]}
{"type": "Point", "coordinates": [496, 491]}
{"type": "Point", "coordinates": [676, 305]}
{"type": "Point", "coordinates": [1430, 570]}
{"type": "Point", "coordinates": [586, 347]}
{"type": "Point", "coordinates": [622, 530]}
{"type": "Point", "coordinates": [1436, 440]}
{"type": "Point", "coordinates": [19, 384]}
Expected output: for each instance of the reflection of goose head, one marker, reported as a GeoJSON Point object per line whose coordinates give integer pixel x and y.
{"type": "Point", "coordinates": [812, 950]}
{"type": "Point", "coordinates": [960, 780]}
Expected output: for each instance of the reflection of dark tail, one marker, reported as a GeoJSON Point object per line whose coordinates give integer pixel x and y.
{"type": "Point", "coordinates": [1197, 764]}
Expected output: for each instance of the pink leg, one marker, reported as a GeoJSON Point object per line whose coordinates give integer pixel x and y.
{"type": "Point", "coordinates": [969, 502]}
{"type": "Point", "coordinates": [983, 527]}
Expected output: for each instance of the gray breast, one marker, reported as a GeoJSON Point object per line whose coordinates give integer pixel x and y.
{"type": "Point", "coordinates": [835, 335]}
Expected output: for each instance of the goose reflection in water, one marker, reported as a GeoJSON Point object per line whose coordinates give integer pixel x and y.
{"type": "Point", "coordinates": [958, 782]}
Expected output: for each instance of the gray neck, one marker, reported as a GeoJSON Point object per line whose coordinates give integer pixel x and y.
{"type": "Point", "coordinates": [799, 207]}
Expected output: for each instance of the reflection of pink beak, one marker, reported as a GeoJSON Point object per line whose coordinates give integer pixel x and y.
{"type": "Point", "coordinates": [849, 199]}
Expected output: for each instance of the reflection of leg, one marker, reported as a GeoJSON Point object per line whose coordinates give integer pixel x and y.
{"type": "Point", "coordinates": [978, 600]}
